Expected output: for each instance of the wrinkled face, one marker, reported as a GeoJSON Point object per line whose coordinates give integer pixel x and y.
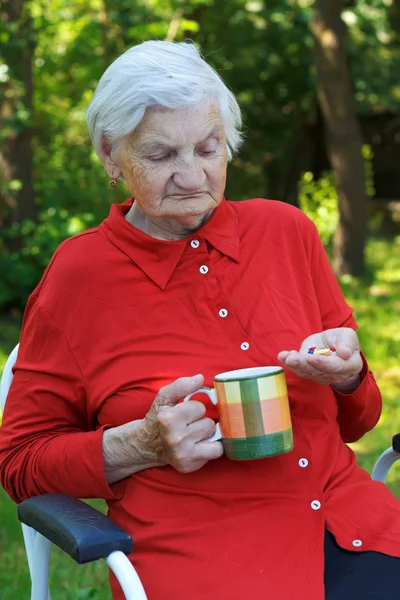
{"type": "Point", "coordinates": [174, 163]}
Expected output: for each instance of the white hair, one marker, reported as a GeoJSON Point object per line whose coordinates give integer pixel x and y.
{"type": "Point", "coordinates": [168, 74]}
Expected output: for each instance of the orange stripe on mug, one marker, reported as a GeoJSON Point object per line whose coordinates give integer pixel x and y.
{"type": "Point", "coordinates": [275, 414]}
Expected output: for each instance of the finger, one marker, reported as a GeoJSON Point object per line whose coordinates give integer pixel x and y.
{"type": "Point", "coordinates": [311, 366]}
{"type": "Point", "coordinates": [292, 359]}
{"type": "Point", "coordinates": [327, 364]}
{"type": "Point", "coordinates": [189, 412]}
{"type": "Point", "coordinates": [315, 340]}
{"type": "Point", "coordinates": [346, 342]}
{"type": "Point", "coordinates": [208, 450]}
{"type": "Point", "coordinates": [170, 395]}
{"type": "Point", "coordinates": [297, 363]}
{"type": "Point", "coordinates": [282, 356]}
{"type": "Point", "coordinates": [333, 370]}
{"type": "Point", "coordinates": [338, 366]}
{"type": "Point", "coordinates": [174, 420]}
{"type": "Point", "coordinates": [201, 429]}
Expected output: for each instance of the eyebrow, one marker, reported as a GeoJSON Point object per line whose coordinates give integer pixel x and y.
{"type": "Point", "coordinates": [216, 130]}
{"type": "Point", "coordinates": [158, 146]}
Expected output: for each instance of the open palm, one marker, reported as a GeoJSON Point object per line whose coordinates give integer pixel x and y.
{"type": "Point", "coordinates": [341, 368]}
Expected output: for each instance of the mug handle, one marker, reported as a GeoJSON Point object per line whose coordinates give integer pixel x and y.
{"type": "Point", "coordinates": [213, 397]}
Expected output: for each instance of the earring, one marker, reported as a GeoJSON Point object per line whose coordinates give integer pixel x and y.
{"type": "Point", "coordinates": [113, 183]}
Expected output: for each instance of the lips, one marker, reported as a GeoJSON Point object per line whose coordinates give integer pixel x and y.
{"type": "Point", "coordinates": [196, 195]}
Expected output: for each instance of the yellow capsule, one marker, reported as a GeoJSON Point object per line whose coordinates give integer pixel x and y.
{"type": "Point", "coordinates": [323, 351]}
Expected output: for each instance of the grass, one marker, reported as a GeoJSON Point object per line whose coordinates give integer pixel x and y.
{"type": "Point", "coordinates": [68, 581]}
{"type": "Point", "coordinates": [376, 301]}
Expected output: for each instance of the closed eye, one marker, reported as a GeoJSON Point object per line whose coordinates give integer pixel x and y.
{"type": "Point", "coordinates": [161, 158]}
{"type": "Point", "coordinates": [207, 151]}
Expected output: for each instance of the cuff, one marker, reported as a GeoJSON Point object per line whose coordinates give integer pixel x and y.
{"type": "Point", "coordinates": [356, 399]}
{"type": "Point", "coordinates": [73, 464]}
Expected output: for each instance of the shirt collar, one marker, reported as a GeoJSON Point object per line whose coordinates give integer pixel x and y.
{"type": "Point", "coordinates": [158, 258]}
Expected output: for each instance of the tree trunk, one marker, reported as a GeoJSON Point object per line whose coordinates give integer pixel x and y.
{"type": "Point", "coordinates": [343, 135]}
{"type": "Point", "coordinates": [16, 156]}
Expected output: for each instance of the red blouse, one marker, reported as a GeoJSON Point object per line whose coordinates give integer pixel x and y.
{"type": "Point", "coordinates": [119, 314]}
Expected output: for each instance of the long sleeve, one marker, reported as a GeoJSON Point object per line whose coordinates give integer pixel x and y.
{"type": "Point", "coordinates": [358, 412]}
{"type": "Point", "coordinates": [47, 440]}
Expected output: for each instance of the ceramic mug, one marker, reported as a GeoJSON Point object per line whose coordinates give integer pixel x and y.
{"type": "Point", "coordinates": [254, 414]}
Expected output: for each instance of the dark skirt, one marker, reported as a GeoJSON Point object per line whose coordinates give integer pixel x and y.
{"type": "Point", "coordinates": [359, 575]}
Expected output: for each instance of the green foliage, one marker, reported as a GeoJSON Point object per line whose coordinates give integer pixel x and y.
{"type": "Point", "coordinates": [318, 198]}
{"type": "Point", "coordinates": [263, 50]}
{"type": "Point", "coordinates": [21, 270]}
{"type": "Point", "coordinates": [369, 171]}
{"type": "Point", "coordinates": [375, 53]}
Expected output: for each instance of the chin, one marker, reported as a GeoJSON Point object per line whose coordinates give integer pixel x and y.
{"type": "Point", "coordinates": [198, 214]}
{"type": "Point", "coordinates": [197, 206]}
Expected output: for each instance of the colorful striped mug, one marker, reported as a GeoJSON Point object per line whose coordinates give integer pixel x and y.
{"type": "Point", "coordinates": [253, 411]}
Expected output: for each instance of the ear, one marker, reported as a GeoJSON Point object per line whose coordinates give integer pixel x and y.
{"type": "Point", "coordinates": [113, 170]}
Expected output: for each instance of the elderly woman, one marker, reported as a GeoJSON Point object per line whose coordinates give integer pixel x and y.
{"type": "Point", "coordinates": [178, 284]}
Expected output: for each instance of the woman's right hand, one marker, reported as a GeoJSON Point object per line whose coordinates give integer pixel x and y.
{"type": "Point", "coordinates": [177, 433]}
{"type": "Point", "coordinates": [171, 433]}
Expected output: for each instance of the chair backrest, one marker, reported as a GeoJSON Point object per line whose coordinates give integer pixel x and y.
{"type": "Point", "coordinates": [6, 379]}
{"type": "Point", "coordinates": [7, 376]}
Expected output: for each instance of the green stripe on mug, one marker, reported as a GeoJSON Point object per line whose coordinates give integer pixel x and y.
{"type": "Point", "coordinates": [251, 407]}
{"type": "Point", "coordinates": [261, 446]}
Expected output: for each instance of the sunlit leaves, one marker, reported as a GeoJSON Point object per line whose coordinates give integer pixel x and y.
{"type": "Point", "coordinates": [262, 49]}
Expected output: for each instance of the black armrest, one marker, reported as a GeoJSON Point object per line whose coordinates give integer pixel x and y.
{"type": "Point", "coordinates": [74, 526]}
{"type": "Point", "coordinates": [396, 443]}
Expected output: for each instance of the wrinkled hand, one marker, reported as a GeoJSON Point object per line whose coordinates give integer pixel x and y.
{"type": "Point", "coordinates": [341, 369]}
{"type": "Point", "coordinates": [176, 433]}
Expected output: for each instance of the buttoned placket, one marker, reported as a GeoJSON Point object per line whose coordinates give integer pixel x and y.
{"type": "Point", "coordinates": [195, 244]}
{"type": "Point", "coordinates": [304, 464]}
{"type": "Point", "coordinates": [217, 301]}
{"type": "Point", "coordinates": [222, 308]}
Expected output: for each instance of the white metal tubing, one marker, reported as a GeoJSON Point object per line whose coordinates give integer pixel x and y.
{"type": "Point", "coordinates": [383, 464]}
{"type": "Point", "coordinates": [30, 535]}
{"type": "Point", "coordinates": [128, 579]}
{"type": "Point", "coordinates": [29, 539]}
{"type": "Point", "coordinates": [7, 376]}
{"type": "Point", "coordinates": [40, 568]}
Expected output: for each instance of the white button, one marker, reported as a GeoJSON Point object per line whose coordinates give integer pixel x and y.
{"type": "Point", "coordinates": [303, 462]}
{"type": "Point", "coordinates": [203, 269]}
{"type": "Point", "coordinates": [357, 543]}
{"type": "Point", "coordinates": [223, 313]}
{"type": "Point", "coordinates": [195, 243]}
{"type": "Point", "coordinates": [315, 504]}
{"type": "Point", "coordinates": [245, 346]}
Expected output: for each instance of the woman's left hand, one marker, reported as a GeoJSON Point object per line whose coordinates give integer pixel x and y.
{"type": "Point", "coordinates": [341, 369]}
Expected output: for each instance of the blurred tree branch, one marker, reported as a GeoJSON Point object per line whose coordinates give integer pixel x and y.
{"type": "Point", "coordinates": [174, 25]}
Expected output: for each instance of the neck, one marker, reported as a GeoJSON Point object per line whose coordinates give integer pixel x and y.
{"type": "Point", "coordinates": [168, 229]}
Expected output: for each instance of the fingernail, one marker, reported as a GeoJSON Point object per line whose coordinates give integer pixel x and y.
{"type": "Point", "coordinates": [196, 378]}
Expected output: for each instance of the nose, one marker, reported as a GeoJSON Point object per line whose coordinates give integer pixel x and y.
{"type": "Point", "coordinates": [189, 175]}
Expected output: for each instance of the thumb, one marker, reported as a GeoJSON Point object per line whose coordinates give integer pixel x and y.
{"type": "Point", "coordinates": [346, 343]}
{"type": "Point", "coordinates": [169, 395]}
